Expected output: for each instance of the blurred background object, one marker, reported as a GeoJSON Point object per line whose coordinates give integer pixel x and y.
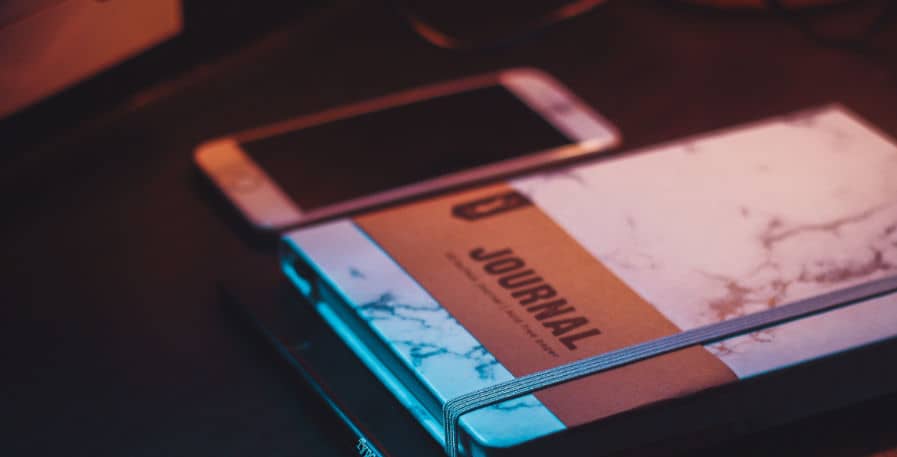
{"type": "Point", "coordinates": [470, 24]}
{"type": "Point", "coordinates": [764, 3]}
{"type": "Point", "coordinates": [118, 63]}
{"type": "Point", "coordinates": [47, 45]}
{"type": "Point", "coordinates": [465, 24]}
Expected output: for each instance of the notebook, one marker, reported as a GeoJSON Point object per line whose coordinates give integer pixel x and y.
{"type": "Point", "coordinates": [466, 290]}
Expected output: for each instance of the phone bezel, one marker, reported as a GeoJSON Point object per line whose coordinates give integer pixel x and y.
{"type": "Point", "coordinates": [267, 207]}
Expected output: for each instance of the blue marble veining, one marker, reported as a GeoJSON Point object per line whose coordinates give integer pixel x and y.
{"type": "Point", "coordinates": [447, 359]}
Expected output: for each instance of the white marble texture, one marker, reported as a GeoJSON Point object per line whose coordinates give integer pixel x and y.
{"type": "Point", "coordinates": [705, 230]}
{"type": "Point", "coordinates": [734, 223]}
{"type": "Point", "coordinates": [448, 360]}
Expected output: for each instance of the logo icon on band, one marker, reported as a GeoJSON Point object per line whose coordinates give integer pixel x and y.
{"type": "Point", "coordinates": [490, 206]}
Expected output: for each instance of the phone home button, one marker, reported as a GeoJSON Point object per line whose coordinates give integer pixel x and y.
{"type": "Point", "coordinates": [240, 180]}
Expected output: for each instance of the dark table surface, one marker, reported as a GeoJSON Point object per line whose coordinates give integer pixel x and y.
{"type": "Point", "coordinates": [113, 339]}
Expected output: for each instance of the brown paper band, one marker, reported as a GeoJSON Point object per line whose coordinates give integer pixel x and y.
{"type": "Point", "coordinates": [536, 299]}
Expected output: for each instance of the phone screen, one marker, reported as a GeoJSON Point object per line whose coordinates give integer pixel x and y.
{"type": "Point", "coordinates": [353, 157]}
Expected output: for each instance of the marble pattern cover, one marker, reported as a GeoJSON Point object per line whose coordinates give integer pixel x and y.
{"type": "Point", "coordinates": [705, 230]}
{"type": "Point", "coordinates": [730, 224]}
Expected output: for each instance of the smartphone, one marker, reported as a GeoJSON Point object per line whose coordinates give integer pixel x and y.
{"type": "Point", "coordinates": [401, 146]}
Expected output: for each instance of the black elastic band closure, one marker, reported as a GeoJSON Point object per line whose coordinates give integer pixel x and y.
{"type": "Point", "coordinates": [515, 388]}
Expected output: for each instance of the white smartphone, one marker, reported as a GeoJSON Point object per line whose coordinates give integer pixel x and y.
{"type": "Point", "coordinates": [401, 146]}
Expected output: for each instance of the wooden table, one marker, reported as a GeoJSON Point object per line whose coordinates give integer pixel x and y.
{"type": "Point", "coordinates": [113, 341]}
